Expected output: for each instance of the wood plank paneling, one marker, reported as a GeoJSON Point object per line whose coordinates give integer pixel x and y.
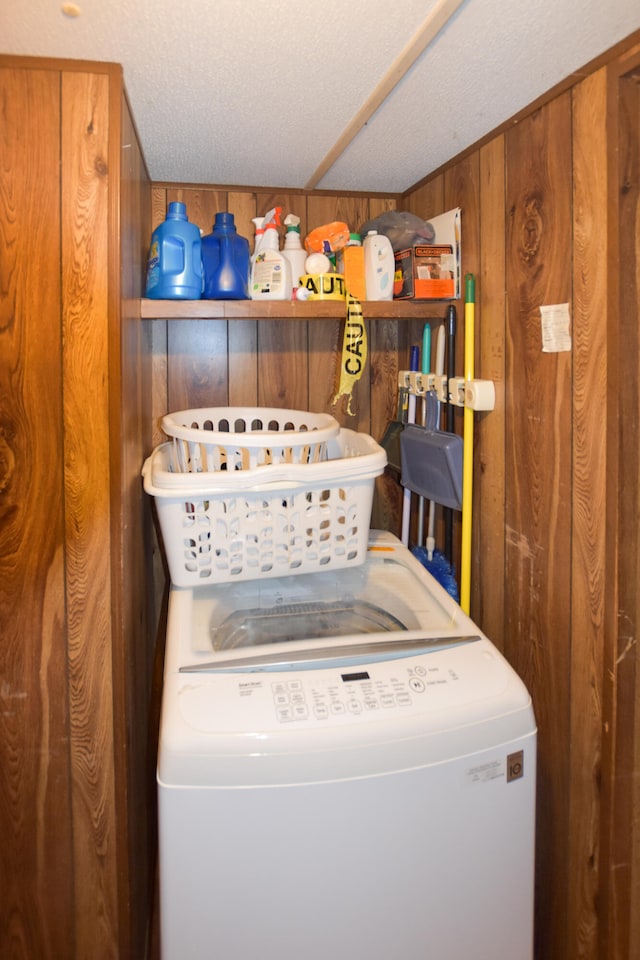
{"type": "Point", "coordinates": [36, 858]}
{"type": "Point", "coordinates": [570, 428]}
{"type": "Point", "coordinates": [620, 934]}
{"type": "Point", "coordinates": [136, 696]}
{"type": "Point", "coordinates": [588, 505]}
{"type": "Point", "coordinates": [73, 594]}
{"type": "Point", "coordinates": [84, 231]}
{"type": "Point", "coordinates": [488, 585]}
{"type": "Point", "coordinates": [538, 481]}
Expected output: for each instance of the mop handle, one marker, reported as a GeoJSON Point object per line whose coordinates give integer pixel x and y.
{"type": "Point", "coordinates": [414, 366]}
{"type": "Point", "coordinates": [467, 457]}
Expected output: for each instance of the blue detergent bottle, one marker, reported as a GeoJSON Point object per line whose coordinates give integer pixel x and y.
{"type": "Point", "coordinates": [225, 261]}
{"type": "Point", "coordinates": [174, 267]}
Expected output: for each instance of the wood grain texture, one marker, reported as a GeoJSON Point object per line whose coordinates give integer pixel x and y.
{"type": "Point", "coordinates": [136, 609]}
{"type": "Point", "coordinates": [538, 483]}
{"type": "Point", "coordinates": [620, 933]}
{"type": "Point", "coordinates": [588, 504]}
{"type": "Point", "coordinates": [489, 503]}
{"type": "Point", "coordinates": [36, 851]}
{"type": "Point", "coordinates": [74, 422]}
{"type": "Point", "coordinates": [84, 231]}
{"type": "Point", "coordinates": [626, 821]}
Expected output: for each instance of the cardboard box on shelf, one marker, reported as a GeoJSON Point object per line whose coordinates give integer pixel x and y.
{"type": "Point", "coordinates": [425, 272]}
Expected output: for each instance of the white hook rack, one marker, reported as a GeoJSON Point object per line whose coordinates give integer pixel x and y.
{"type": "Point", "coordinates": [474, 394]}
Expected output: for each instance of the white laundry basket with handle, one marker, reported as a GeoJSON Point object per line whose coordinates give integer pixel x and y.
{"type": "Point", "coordinates": [241, 438]}
{"type": "Point", "coordinates": [272, 520]}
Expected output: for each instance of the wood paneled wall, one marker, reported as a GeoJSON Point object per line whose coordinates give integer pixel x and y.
{"type": "Point", "coordinates": [75, 806]}
{"type": "Point", "coordinates": [549, 215]}
{"type": "Point", "coordinates": [37, 847]}
{"type": "Point", "coordinates": [620, 828]}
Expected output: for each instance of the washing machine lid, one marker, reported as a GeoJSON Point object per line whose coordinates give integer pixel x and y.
{"type": "Point", "coordinates": [388, 597]}
{"type": "Point", "coordinates": [340, 655]}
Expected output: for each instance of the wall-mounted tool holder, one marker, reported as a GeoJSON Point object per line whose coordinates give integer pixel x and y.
{"type": "Point", "coordinates": [474, 394]}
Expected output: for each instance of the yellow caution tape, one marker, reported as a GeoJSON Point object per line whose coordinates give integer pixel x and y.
{"type": "Point", "coordinates": [354, 352]}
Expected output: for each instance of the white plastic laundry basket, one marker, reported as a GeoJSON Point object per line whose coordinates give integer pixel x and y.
{"type": "Point", "coordinates": [241, 438]}
{"type": "Point", "coordinates": [270, 521]}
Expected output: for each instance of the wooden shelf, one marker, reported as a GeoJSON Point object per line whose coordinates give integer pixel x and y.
{"type": "Point", "coordinates": [286, 309]}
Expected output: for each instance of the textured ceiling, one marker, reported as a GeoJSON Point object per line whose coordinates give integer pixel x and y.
{"type": "Point", "coordinates": [257, 93]}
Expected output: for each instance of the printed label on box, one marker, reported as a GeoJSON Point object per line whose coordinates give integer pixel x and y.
{"type": "Point", "coordinates": [425, 272]}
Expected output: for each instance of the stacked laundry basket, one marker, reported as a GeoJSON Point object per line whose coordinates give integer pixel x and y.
{"type": "Point", "coordinates": [243, 493]}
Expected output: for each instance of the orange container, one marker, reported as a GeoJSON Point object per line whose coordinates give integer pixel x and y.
{"type": "Point", "coordinates": [353, 269]}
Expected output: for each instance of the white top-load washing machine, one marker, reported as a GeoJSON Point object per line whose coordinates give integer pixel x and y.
{"type": "Point", "coordinates": [346, 769]}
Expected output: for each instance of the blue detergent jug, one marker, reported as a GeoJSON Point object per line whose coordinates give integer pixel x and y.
{"type": "Point", "coordinates": [225, 261]}
{"type": "Point", "coordinates": [174, 267]}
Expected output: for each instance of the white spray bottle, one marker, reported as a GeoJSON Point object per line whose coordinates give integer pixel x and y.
{"type": "Point", "coordinates": [258, 223]}
{"type": "Point", "coordinates": [271, 271]}
{"type": "Point", "coordinates": [293, 249]}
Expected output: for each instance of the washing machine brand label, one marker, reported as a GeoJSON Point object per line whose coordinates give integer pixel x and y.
{"type": "Point", "coordinates": [515, 766]}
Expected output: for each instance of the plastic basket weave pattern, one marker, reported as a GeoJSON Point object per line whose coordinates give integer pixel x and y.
{"type": "Point", "coordinates": [242, 438]}
{"type": "Point", "coordinates": [272, 521]}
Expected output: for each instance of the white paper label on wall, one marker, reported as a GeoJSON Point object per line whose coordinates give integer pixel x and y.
{"type": "Point", "coordinates": [556, 328]}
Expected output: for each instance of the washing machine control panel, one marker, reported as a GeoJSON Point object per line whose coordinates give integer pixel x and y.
{"type": "Point", "coordinates": [329, 694]}
{"type": "Point", "coordinates": [343, 691]}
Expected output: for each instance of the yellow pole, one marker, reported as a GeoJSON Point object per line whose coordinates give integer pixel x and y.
{"type": "Point", "coordinates": [467, 456]}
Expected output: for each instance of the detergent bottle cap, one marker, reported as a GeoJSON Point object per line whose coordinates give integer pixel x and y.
{"type": "Point", "coordinates": [177, 211]}
{"type": "Point", "coordinates": [224, 221]}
